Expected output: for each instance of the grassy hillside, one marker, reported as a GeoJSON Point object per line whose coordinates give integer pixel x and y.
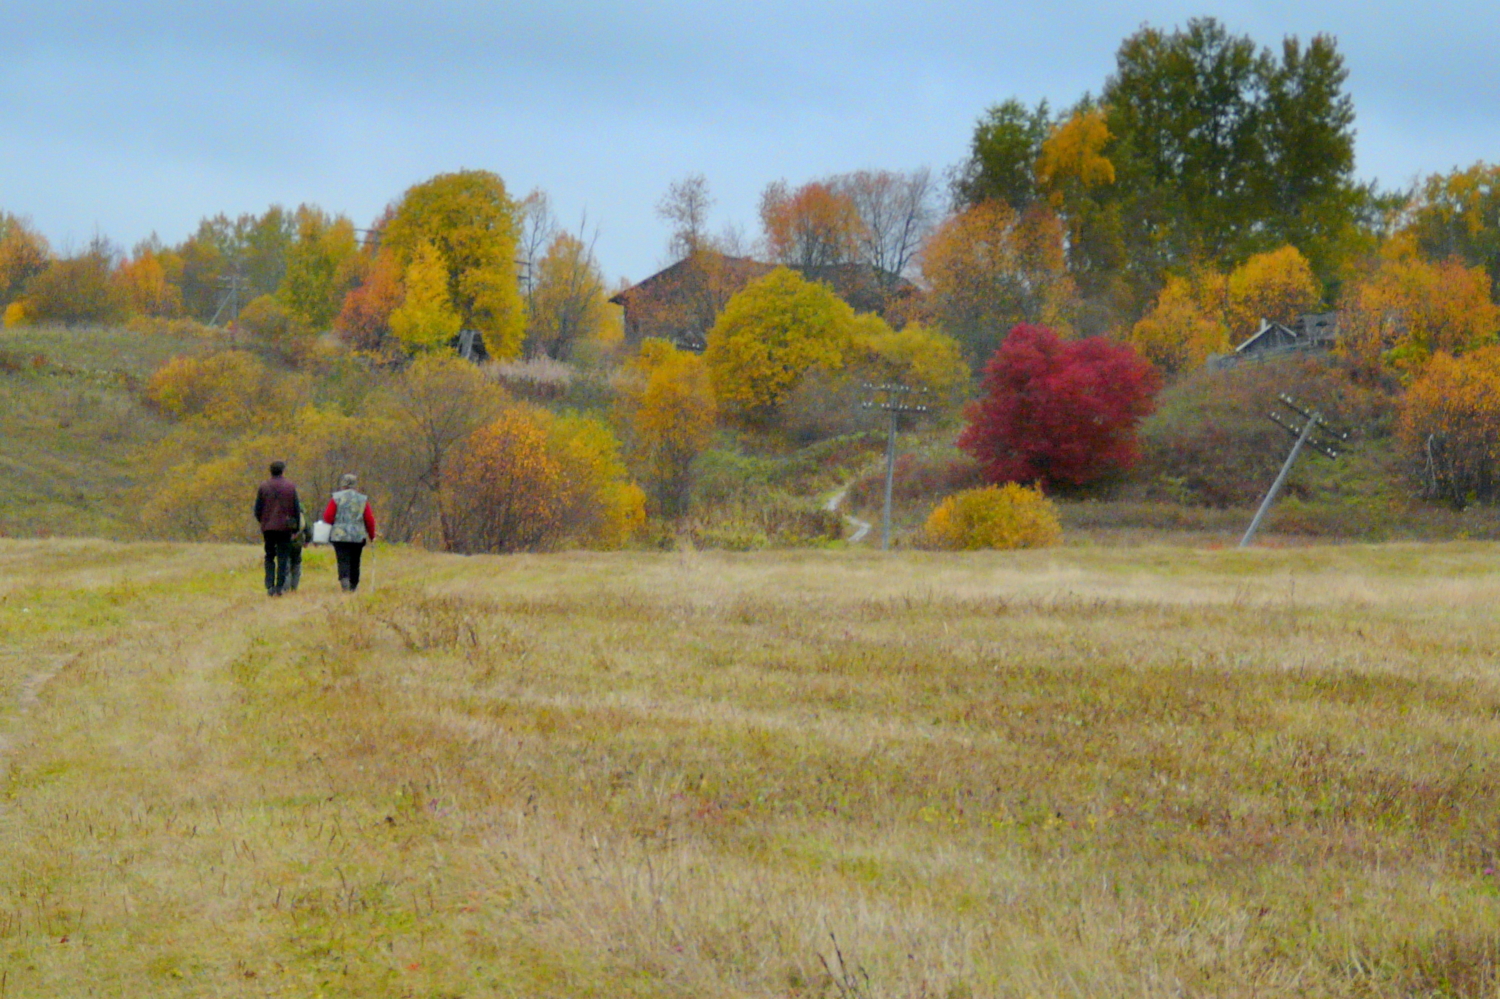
{"type": "Point", "coordinates": [1091, 772]}
{"type": "Point", "coordinates": [72, 425]}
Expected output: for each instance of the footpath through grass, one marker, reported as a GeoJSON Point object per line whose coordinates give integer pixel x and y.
{"type": "Point", "coordinates": [1089, 772]}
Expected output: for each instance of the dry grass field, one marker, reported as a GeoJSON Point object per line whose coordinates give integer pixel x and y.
{"type": "Point", "coordinates": [1090, 772]}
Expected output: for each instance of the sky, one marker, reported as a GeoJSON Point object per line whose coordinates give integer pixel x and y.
{"type": "Point", "coordinates": [132, 118]}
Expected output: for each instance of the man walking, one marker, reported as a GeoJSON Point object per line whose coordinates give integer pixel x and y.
{"type": "Point", "coordinates": [276, 507]}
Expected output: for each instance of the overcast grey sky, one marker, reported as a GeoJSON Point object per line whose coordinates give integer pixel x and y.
{"type": "Point", "coordinates": [146, 116]}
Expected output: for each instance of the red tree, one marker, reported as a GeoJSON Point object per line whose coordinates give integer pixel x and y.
{"type": "Point", "coordinates": [1059, 412]}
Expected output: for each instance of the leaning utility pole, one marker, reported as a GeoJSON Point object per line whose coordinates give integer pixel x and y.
{"type": "Point", "coordinates": [1314, 433]}
{"type": "Point", "coordinates": [891, 397]}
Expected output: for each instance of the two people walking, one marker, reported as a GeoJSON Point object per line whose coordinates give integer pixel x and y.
{"type": "Point", "coordinates": [284, 527]}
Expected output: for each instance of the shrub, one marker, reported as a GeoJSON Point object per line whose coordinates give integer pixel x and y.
{"type": "Point", "coordinates": [268, 321]}
{"type": "Point", "coordinates": [231, 389]}
{"type": "Point", "coordinates": [1058, 412]}
{"type": "Point", "coordinates": [1008, 516]}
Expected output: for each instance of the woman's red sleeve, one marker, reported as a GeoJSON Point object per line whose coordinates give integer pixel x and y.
{"type": "Point", "coordinates": [331, 511]}
{"type": "Point", "coordinates": [369, 521]}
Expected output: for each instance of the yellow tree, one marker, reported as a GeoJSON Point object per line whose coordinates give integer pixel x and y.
{"type": "Point", "coordinates": [667, 402]}
{"type": "Point", "coordinates": [474, 225]}
{"type": "Point", "coordinates": [915, 355]}
{"type": "Point", "coordinates": [569, 305]}
{"type": "Point", "coordinates": [1179, 333]}
{"type": "Point", "coordinates": [770, 335]}
{"type": "Point", "coordinates": [426, 321]}
{"type": "Point", "coordinates": [144, 280]}
{"type": "Point", "coordinates": [1410, 308]}
{"type": "Point", "coordinates": [1277, 286]}
{"type": "Point", "coordinates": [529, 480]}
{"type": "Point", "coordinates": [1072, 157]}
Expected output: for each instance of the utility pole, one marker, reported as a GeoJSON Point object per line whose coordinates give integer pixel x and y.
{"type": "Point", "coordinates": [1314, 433]}
{"type": "Point", "coordinates": [893, 398]}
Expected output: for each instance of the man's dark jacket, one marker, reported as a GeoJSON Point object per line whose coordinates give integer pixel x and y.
{"type": "Point", "coordinates": [276, 504]}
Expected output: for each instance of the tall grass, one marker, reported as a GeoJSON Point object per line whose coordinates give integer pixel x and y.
{"type": "Point", "coordinates": [1081, 772]}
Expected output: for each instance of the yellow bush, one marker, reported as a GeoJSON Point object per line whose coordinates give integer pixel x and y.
{"type": "Point", "coordinates": [1008, 516]}
{"type": "Point", "coordinates": [16, 314]}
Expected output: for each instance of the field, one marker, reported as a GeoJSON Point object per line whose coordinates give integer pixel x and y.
{"type": "Point", "coordinates": [1150, 771]}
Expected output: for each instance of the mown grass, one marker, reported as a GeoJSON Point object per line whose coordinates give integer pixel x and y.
{"type": "Point", "coordinates": [1097, 772]}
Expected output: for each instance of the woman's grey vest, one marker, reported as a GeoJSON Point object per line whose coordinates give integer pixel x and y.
{"type": "Point", "coordinates": [349, 521]}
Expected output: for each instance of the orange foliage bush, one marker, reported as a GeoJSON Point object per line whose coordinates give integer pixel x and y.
{"type": "Point", "coordinates": [531, 481]}
{"type": "Point", "coordinates": [1448, 425]}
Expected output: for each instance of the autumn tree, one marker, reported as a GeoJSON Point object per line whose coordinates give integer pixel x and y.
{"type": "Point", "coordinates": [425, 321]}
{"type": "Point", "coordinates": [1458, 215]}
{"type": "Point", "coordinates": [78, 289]}
{"type": "Point", "coordinates": [472, 223]}
{"type": "Point", "coordinates": [924, 359]}
{"type": "Point", "coordinates": [364, 319]}
{"type": "Point", "coordinates": [1409, 308]}
{"type": "Point", "coordinates": [989, 268]}
{"type": "Point", "coordinates": [1061, 413]}
{"type": "Point", "coordinates": [667, 403]}
{"type": "Point", "coordinates": [813, 227]}
{"type": "Point", "coordinates": [569, 304]}
{"type": "Point", "coordinates": [1277, 286]}
{"type": "Point", "coordinates": [1207, 312]}
{"type": "Point", "coordinates": [770, 335]}
{"type": "Point", "coordinates": [147, 283]}
{"type": "Point", "coordinates": [229, 391]}
{"type": "Point", "coordinates": [1003, 151]}
{"type": "Point", "coordinates": [23, 255]}
{"type": "Point", "coordinates": [1448, 425]}
{"type": "Point", "coordinates": [538, 227]}
{"type": "Point", "coordinates": [319, 267]}
{"type": "Point", "coordinates": [245, 256]}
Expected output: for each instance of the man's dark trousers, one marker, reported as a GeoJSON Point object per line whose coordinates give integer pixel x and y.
{"type": "Point", "coordinates": [278, 560]}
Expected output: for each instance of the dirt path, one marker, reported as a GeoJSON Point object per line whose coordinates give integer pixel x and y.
{"type": "Point", "coordinates": [861, 527]}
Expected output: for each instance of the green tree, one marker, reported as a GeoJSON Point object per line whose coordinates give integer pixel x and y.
{"type": "Point", "coordinates": [473, 224]}
{"type": "Point", "coordinates": [318, 267]}
{"type": "Point", "coordinates": [772, 333]}
{"type": "Point", "coordinates": [1002, 156]}
{"type": "Point", "coordinates": [1221, 150]}
{"type": "Point", "coordinates": [426, 321]}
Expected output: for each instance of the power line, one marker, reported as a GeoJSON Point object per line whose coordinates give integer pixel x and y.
{"type": "Point", "coordinates": [893, 398]}
{"type": "Point", "coordinates": [1315, 432]}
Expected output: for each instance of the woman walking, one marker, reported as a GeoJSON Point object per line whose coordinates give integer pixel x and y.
{"type": "Point", "coordinates": [353, 524]}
